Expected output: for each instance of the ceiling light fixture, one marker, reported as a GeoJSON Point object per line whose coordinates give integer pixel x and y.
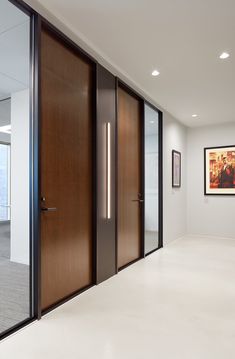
{"type": "Point", "coordinates": [152, 121]}
{"type": "Point", "coordinates": [155, 73]}
{"type": "Point", "coordinates": [194, 115]}
{"type": "Point", "coordinates": [224, 55]}
{"type": "Point", "coordinates": [5, 129]}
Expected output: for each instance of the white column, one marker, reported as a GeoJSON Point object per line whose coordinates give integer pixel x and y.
{"type": "Point", "coordinates": [20, 177]}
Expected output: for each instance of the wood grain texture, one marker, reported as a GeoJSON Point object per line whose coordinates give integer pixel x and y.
{"type": "Point", "coordinates": [129, 178]}
{"type": "Point", "coordinates": [66, 171]}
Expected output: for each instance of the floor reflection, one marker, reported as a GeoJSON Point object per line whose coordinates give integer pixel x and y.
{"type": "Point", "coordinates": [14, 285]}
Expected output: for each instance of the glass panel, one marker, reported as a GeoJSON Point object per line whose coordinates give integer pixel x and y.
{"type": "Point", "coordinates": [4, 182]}
{"type": "Point", "coordinates": [14, 166]}
{"type": "Point", "coordinates": [151, 179]}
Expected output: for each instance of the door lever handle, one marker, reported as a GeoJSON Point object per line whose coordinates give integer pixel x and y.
{"type": "Point", "coordinates": [138, 200]}
{"type": "Point", "coordinates": [49, 209]}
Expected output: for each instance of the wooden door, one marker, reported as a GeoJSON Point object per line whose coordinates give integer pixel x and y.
{"type": "Point", "coordinates": [66, 171]}
{"type": "Point", "coordinates": [129, 178]}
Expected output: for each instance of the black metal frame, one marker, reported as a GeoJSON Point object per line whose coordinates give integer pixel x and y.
{"type": "Point", "coordinates": [160, 176]}
{"type": "Point", "coordinates": [173, 163]}
{"type": "Point", "coordinates": [116, 174]}
{"type": "Point", "coordinates": [36, 23]}
{"type": "Point", "coordinates": [35, 103]}
{"type": "Point", "coordinates": [28, 10]}
{"type": "Point", "coordinates": [160, 179]}
{"type": "Point", "coordinates": [205, 169]}
{"type": "Point", "coordinates": [5, 99]}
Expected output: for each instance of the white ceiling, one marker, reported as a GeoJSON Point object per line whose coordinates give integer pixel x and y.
{"type": "Point", "coordinates": [181, 38]}
{"type": "Point", "coordinates": [14, 49]}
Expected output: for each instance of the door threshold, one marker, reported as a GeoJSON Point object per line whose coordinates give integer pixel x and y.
{"type": "Point", "coordinates": [154, 250]}
{"type": "Point", "coordinates": [66, 299]}
{"type": "Point", "coordinates": [129, 264]}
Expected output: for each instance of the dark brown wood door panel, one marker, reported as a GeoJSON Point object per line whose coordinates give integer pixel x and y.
{"type": "Point", "coordinates": [66, 171]}
{"type": "Point", "coordinates": [129, 178]}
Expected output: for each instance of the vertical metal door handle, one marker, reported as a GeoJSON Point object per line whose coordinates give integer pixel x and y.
{"type": "Point", "coordinates": [108, 170]}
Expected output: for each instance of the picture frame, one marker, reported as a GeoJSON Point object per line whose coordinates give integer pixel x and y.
{"type": "Point", "coordinates": [219, 170]}
{"type": "Point", "coordinates": [176, 169]}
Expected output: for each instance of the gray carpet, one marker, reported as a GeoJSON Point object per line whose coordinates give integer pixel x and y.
{"type": "Point", "coordinates": [14, 285]}
{"type": "Point", "coordinates": [4, 240]}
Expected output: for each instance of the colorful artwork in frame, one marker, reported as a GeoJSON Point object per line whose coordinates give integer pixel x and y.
{"type": "Point", "coordinates": [219, 164]}
{"type": "Point", "coordinates": [176, 169]}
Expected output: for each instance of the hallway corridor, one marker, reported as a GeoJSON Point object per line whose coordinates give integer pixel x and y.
{"type": "Point", "coordinates": [178, 303]}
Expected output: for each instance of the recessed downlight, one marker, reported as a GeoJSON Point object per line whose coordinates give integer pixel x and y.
{"type": "Point", "coordinates": [194, 115]}
{"type": "Point", "coordinates": [224, 55]}
{"type": "Point", "coordinates": [5, 129]}
{"type": "Point", "coordinates": [155, 73]}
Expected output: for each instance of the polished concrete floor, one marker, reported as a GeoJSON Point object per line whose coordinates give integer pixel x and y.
{"type": "Point", "coordinates": [178, 303]}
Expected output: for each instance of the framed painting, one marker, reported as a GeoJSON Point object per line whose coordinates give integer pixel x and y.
{"type": "Point", "coordinates": [219, 167]}
{"type": "Point", "coordinates": [176, 169]}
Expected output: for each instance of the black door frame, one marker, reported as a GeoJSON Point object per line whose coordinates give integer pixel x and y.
{"type": "Point", "coordinates": [36, 21]}
{"type": "Point", "coordinates": [160, 175]}
{"type": "Point", "coordinates": [143, 102]}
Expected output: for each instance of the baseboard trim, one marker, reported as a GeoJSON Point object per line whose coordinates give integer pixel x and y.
{"type": "Point", "coordinates": [209, 236]}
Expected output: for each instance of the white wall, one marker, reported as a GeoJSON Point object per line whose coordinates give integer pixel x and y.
{"type": "Point", "coordinates": [174, 199]}
{"type": "Point", "coordinates": [20, 177]}
{"type": "Point", "coordinates": [208, 215]}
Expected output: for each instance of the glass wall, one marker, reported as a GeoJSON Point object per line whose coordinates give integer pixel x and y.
{"type": "Point", "coordinates": [151, 180]}
{"type": "Point", "coordinates": [14, 166]}
{"type": "Point", "coordinates": [5, 166]}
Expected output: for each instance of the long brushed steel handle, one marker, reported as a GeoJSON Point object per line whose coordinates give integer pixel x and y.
{"type": "Point", "coordinates": [138, 200]}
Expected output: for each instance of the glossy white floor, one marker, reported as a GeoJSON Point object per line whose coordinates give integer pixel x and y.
{"type": "Point", "coordinates": [177, 303]}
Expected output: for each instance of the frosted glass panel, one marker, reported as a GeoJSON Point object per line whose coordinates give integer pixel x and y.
{"type": "Point", "coordinates": [151, 179]}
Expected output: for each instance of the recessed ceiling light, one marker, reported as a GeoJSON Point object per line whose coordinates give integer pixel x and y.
{"type": "Point", "coordinates": [224, 55]}
{"type": "Point", "coordinates": [5, 129]}
{"type": "Point", "coordinates": [152, 121]}
{"type": "Point", "coordinates": [194, 115]}
{"type": "Point", "coordinates": [155, 73]}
